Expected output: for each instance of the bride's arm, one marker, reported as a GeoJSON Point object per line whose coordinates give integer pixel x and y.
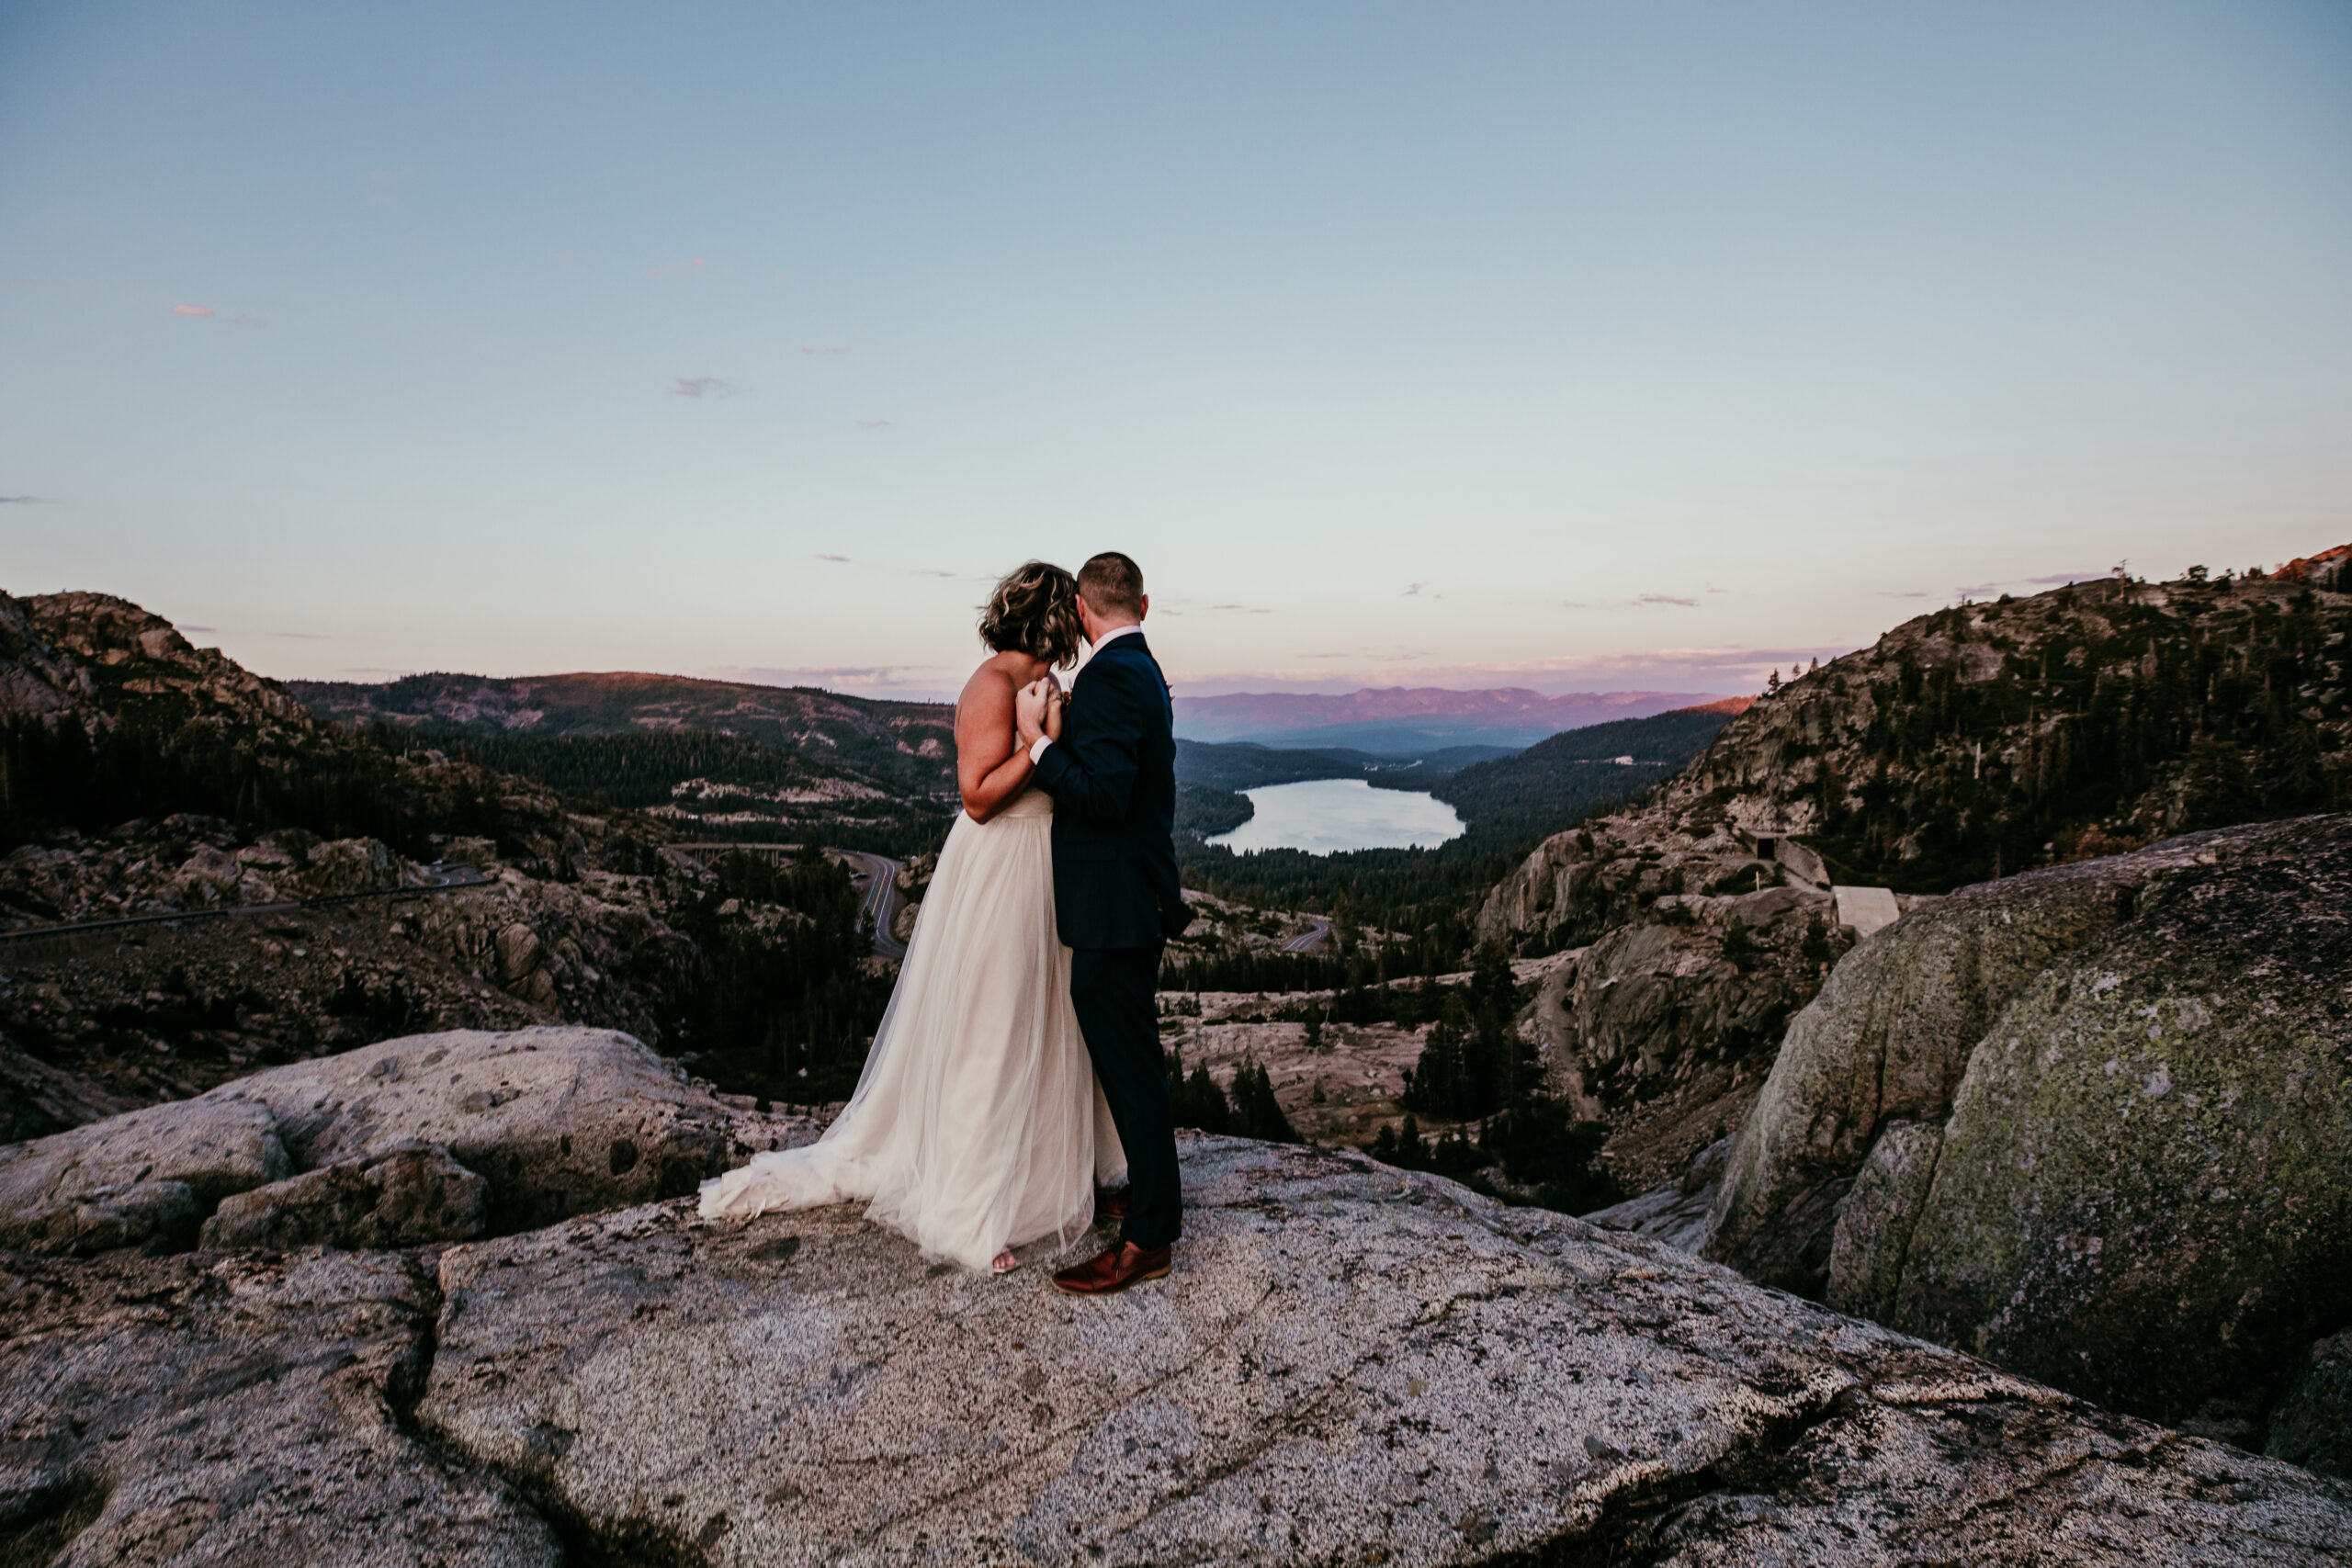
{"type": "Point", "coordinates": [991, 768]}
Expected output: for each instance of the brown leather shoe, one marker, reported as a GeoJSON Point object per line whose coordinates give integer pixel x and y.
{"type": "Point", "coordinates": [1110, 1205]}
{"type": "Point", "coordinates": [1113, 1271]}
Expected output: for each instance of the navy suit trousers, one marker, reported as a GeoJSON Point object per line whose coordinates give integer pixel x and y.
{"type": "Point", "coordinates": [1116, 992]}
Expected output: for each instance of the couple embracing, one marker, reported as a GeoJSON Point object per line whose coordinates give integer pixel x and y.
{"type": "Point", "coordinates": [1017, 1071]}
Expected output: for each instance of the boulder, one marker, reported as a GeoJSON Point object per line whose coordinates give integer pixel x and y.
{"type": "Point", "coordinates": [2138, 1186]}
{"type": "Point", "coordinates": [2312, 1425]}
{"type": "Point", "coordinates": [38, 1097]}
{"type": "Point", "coordinates": [2143, 1193]}
{"type": "Point", "coordinates": [154, 1216]}
{"type": "Point", "coordinates": [1350, 1364]}
{"type": "Point", "coordinates": [410, 1196]}
{"type": "Point", "coordinates": [208, 1147]}
{"type": "Point", "coordinates": [341, 867]}
{"type": "Point", "coordinates": [1890, 1034]}
{"type": "Point", "coordinates": [554, 1121]}
{"type": "Point", "coordinates": [243, 1409]}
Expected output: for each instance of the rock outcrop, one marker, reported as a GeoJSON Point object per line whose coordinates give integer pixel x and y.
{"type": "Point", "coordinates": [1888, 1039]}
{"type": "Point", "coordinates": [421, 1138]}
{"type": "Point", "coordinates": [1980, 740]}
{"type": "Point", "coordinates": [2096, 1123]}
{"type": "Point", "coordinates": [244, 1408]}
{"type": "Point", "coordinates": [1665, 1028]}
{"type": "Point", "coordinates": [1350, 1364]}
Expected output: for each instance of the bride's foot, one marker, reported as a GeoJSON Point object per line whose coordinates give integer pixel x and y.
{"type": "Point", "coordinates": [1004, 1263]}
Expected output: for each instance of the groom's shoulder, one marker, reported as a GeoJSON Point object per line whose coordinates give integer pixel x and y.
{"type": "Point", "coordinates": [1126, 657]}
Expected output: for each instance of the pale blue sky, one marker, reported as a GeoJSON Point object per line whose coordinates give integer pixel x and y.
{"type": "Point", "coordinates": [1575, 346]}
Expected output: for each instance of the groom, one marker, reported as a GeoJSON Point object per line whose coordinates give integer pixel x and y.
{"type": "Point", "coordinates": [1113, 777]}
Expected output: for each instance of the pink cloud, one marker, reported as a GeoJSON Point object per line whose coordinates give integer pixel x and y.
{"type": "Point", "coordinates": [873, 424]}
{"type": "Point", "coordinates": [192, 310]}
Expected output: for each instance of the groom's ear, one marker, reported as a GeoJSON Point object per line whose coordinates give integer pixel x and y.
{"type": "Point", "coordinates": [1143, 607]}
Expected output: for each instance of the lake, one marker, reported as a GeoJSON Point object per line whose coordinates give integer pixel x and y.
{"type": "Point", "coordinates": [1325, 815]}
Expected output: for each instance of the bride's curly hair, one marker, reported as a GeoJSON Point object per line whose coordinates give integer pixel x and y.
{"type": "Point", "coordinates": [1034, 611]}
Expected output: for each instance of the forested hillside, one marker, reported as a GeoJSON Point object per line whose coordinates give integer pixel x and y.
{"type": "Point", "coordinates": [906, 747]}
{"type": "Point", "coordinates": [1513, 802]}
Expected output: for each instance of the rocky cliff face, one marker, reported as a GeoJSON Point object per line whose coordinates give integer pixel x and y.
{"type": "Point", "coordinates": [1979, 739]}
{"type": "Point", "coordinates": [1349, 1364]}
{"type": "Point", "coordinates": [1988, 739]}
{"type": "Point", "coordinates": [138, 776]}
{"type": "Point", "coordinates": [2092, 1123]}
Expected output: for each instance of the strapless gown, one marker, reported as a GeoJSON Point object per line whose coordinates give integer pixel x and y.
{"type": "Point", "coordinates": [976, 1123]}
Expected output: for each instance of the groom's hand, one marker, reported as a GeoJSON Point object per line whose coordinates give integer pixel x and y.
{"type": "Point", "coordinates": [1029, 712]}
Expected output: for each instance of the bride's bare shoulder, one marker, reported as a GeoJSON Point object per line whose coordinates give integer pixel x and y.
{"type": "Point", "coordinates": [990, 687]}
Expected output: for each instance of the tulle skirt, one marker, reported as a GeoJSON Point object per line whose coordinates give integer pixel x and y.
{"type": "Point", "coordinates": [976, 1123]}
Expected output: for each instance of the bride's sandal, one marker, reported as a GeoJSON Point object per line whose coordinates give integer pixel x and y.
{"type": "Point", "coordinates": [1004, 1263]}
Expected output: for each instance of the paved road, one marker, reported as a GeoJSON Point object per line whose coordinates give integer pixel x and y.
{"type": "Point", "coordinates": [439, 879]}
{"type": "Point", "coordinates": [876, 877]}
{"type": "Point", "coordinates": [1308, 941]}
{"type": "Point", "coordinates": [879, 877]}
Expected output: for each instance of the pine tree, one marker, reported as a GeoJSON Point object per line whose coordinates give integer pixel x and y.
{"type": "Point", "coordinates": [1257, 1114]}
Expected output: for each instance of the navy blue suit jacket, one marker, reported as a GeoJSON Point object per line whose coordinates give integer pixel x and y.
{"type": "Point", "coordinates": [1113, 777]}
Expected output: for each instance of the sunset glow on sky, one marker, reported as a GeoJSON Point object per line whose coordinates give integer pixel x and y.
{"type": "Point", "coordinates": [1580, 347]}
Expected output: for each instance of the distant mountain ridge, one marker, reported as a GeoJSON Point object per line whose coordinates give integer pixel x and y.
{"type": "Point", "coordinates": [1401, 720]}
{"type": "Point", "coordinates": [905, 748]}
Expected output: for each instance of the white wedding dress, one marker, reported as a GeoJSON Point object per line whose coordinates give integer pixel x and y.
{"type": "Point", "coordinates": [977, 1124]}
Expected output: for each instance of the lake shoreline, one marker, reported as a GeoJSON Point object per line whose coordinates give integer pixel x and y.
{"type": "Point", "coordinates": [1334, 816]}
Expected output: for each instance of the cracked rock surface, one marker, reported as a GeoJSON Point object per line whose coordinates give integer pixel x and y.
{"type": "Point", "coordinates": [235, 1409]}
{"type": "Point", "coordinates": [1349, 1364]}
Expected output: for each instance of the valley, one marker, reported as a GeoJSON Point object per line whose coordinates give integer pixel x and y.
{"type": "Point", "coordinates": [2109, 819]}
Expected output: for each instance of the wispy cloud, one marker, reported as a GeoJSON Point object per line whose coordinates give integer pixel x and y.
{"type": "Point", "coordinates": [905, 683]}
{"type": "Point", "coordinates": [1636, 601]}
{"type": "Point", "coordinates": [843, 348]}
{"type": "Point", "coordinates": [1697, 672]}
{"type": "Point", "coordinates": [203, 310]}
{"type": "Point", "coordinates": [822, 555]}
{"type": "Point", "coordinates": [2054, 579]}
{"type": "Point", "coordinates": [930, 571]}
{"type": "Point", "coordinates": [24, 501]}
{"type": "Point", "coordinates": [1914, 594]}
{"type": "Point", "coordinates": [1241, 609]}
{"type": "Point", "coordinates": [873, 424]}
{"type": "Point", "coordinates": [384, 184]}
{"type": "Point", "coordinates": [208, 631]}
{"type": "Point", "coordinates": [694, 264]}
{"type": "Point", "coordinates": [701, 387]}
{"type": "Point", "coordinates": [242, 320]}
{"type": "Point", "coordinates": [1412, 591]}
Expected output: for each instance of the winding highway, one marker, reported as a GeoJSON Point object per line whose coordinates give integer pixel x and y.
{"type": "Point", "coordinates": [876, 877]}
{"type": "Point", "coordinates": [1308, 941]}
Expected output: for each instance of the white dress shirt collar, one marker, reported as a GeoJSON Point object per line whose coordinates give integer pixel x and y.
{"type": "Point", "coordinates": [1110, 637]}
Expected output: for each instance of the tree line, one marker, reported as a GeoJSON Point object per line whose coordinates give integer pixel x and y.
{"type": "Point", "coordinates": [2236, 711]}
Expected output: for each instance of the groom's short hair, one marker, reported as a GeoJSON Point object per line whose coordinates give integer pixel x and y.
{"type": "Point", "coordinates": [1112, 584]}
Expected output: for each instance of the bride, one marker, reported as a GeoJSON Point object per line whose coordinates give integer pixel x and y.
{"type": "Point", "coordinates": [976, 1125]}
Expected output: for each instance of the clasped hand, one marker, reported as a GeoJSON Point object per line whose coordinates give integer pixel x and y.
{"type": "Point", "coordinates": [1037, 710]}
